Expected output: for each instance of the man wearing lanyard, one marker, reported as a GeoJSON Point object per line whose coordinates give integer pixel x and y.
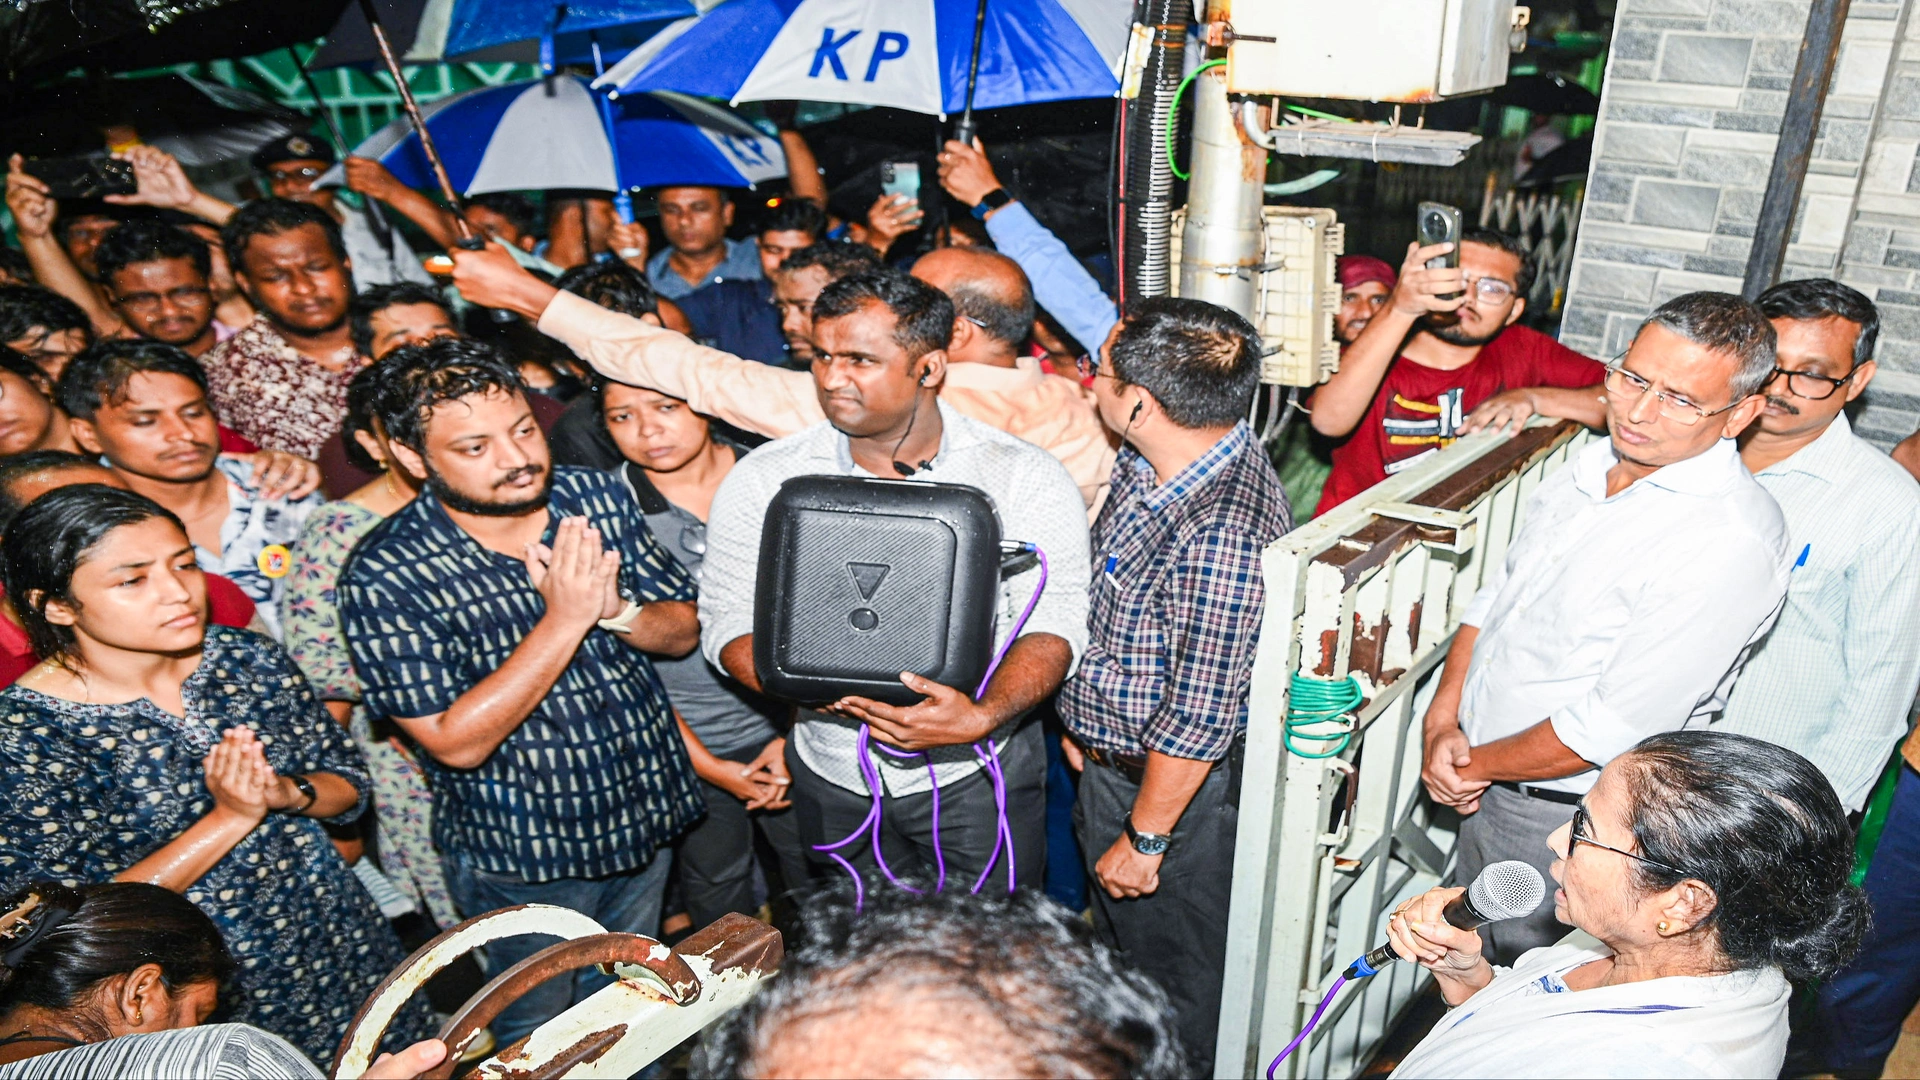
{"type": "Point", "coordinates": [1158, 707]}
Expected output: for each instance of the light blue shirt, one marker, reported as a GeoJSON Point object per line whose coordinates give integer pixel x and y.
{"type": "Point", "coordinates": [1836, 677]}
{"type": "Point", "coordinates": [741, 264]}
{"type": "Point", "coordinates": [1060, 283]}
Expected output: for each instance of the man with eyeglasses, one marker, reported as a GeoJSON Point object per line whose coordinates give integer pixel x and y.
{"type": "Point", "coordinates": [155, 276]}
{"type": "Point", "coordinates": [1444, 358]}
{"type": "Point", "coordinates": [292, 165]}
{"type": "Point", "coordinates": [1835, 679]}
{"type": "Point", "coordinates": [1644, 572]}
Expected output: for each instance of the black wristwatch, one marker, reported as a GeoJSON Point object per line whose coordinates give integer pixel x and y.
{"type": "Point", "coordinates": [991, 201]}
{"type": "Point", "coordinates": [306, 788]}
{"type": "Point", "coordinates": [1147, 843]}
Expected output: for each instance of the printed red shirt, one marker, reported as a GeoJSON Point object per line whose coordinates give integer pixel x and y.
{"type": "Point", "coordinates": [1418, 410]}
{"type": "Point", "coordinates": [266, 391]}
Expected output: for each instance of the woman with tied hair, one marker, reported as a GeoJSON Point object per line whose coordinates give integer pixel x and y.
{"type": "Point", "coordinates": [149, 746]}
{"type": "Point", "coordinates": [116, 979]}
{"type": "Point", "coordinates": [1705, 874]}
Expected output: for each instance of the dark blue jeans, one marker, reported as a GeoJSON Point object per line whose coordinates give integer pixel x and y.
{"type": "Point", "coordinates": [627, 903]}
{"type": "Point", "coordinates": [1861, 1009]}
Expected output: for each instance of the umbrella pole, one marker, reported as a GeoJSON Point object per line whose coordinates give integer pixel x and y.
{"type": "Point", "coordinates": [376, 218]}
{"type": "Point", "coordinates": [965, 130]}
{"type": "Point", "coordinates": [622, 199]}
{"type": "Point", "coordinates": [467, 237]}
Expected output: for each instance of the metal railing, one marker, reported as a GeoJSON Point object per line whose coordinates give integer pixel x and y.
{"type": "Point", "coordinates": [1327, 846]}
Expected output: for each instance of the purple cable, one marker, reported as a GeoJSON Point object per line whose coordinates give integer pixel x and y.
{"type": "Point", "coordinates": [990, 762]}
{"type": "Point", "coordinates": [1305, 1031]}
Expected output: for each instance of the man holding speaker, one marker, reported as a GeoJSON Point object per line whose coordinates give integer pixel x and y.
{"type": "Point", "coordinates": [1159, 706]}
{"type": "Point", "coordinates": [882, 339]}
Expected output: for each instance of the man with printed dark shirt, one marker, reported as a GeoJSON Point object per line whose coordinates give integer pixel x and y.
{"type": "Point", "coordinates": [1444, 358]}
{"type": "Point", "coordinates": [500, 619]}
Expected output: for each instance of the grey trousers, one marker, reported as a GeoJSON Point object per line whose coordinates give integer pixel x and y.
{"type": "Point", "coordinates": [1510, 825]}
{"type": "Point", "coordinates": [716, 856]}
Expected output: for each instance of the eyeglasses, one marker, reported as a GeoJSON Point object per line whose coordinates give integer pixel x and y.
{"type": "Point", "coordinates": [288, 176]}
{"type": "Point", "coordinates": [1624, 386]}
{"type": "Point", "coordinates": [1577, 834]}
{"type": "Point", "coordinates": [1492, 290]}
{"type": "Point", "coordinates": [693, 537]}
{"type": "Point", "coordinates": [1087, 365]}
{"type": "Point", "coordinates": [184, 296]}
{"type": "Point", "coordinates": [1811, 387]}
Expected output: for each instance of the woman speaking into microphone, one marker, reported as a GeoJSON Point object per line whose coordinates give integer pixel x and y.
{"type": "Point", "coordinates": [1704, 874]}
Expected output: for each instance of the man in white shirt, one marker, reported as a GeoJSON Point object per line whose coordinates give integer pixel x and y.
{"type": "Point", "coordinates": [1835, 679]}
{"type": "Point", "coordinates": [1644, 572]}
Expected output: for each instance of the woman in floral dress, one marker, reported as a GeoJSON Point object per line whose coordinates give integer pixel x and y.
{"type": "Point", "coordinates": [153, 747]}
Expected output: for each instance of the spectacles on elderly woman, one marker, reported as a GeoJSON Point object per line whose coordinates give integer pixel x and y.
{"type": "Point", "coordinates": [1578, 833]}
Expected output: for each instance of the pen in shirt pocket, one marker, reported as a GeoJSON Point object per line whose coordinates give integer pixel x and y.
{"type": "Point", "coordinates": [1802, 560]}
{"type": "Point", "coordinates": [1113, 563]}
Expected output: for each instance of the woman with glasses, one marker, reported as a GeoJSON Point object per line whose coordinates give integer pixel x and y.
{"type": "Point", "coordinates": [674, 465]}
{"type": "Point", "coordinates": [1704, 874]}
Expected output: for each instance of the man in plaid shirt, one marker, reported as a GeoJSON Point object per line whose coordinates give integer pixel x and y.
{"type": "Point", "coordinates": [1159, 705]}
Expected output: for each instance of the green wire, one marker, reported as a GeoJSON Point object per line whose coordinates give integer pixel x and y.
{"type": "Point", "coordinates": [1311, 702]}
{"type": "Point", "coordinates": [1173, 114]}
{"type": "Point", "coordinates": [1304, 111]}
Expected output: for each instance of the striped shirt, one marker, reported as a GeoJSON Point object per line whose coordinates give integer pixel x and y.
{"type": "Point", "coordinates": [209, 1052]}
{"type": "Point", "coordinates": [596, 778]}
{"type": "Point", "coordinates": [1177, 600]}
{"type": "Point", "coordinates": [1834, 680]}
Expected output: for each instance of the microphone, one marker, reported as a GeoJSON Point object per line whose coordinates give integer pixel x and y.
{"type": "Point", "coordinates": [1504, 890]}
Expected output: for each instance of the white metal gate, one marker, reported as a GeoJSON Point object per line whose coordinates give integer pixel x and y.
{"type": "Point", "coordinates": [1372, 590]}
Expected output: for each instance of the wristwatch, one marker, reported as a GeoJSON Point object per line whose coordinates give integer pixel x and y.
{"type": "Point", "coordinates": [623, 622]}
{"type": "Point", "coordinates": [1147, 843]}
{"type": "Point", "coordinates": [991, 201]}
{"type": "Point", "coordinates": [306, 788]}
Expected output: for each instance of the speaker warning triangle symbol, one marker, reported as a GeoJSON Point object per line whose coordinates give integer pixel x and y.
{"type": "Point", "coordinates": [867, 577]}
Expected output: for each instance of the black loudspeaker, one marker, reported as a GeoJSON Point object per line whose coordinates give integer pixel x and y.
{"type": "Point", "coordinates": [863, 579]}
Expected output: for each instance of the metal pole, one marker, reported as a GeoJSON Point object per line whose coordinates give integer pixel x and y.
{"type": "Point", "coordinates": [1806, 97]}
{"type": "Point", "coordinates": [467, 238]}
{"type": "Point", "coordinates": [369, 206]}
{"type": "Point", "coordinates": [1220, 251]}
{"type": "Point", "coordinates": [965, 130]}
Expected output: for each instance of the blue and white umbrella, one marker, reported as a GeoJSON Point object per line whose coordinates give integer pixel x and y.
{"type": "Point", "coordinates": [911, 54]}
{"type": "Point", "coordinates": [549, 133]}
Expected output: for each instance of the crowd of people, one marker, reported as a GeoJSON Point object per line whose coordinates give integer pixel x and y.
{"type": "Point", "coordinates": [344, 601]}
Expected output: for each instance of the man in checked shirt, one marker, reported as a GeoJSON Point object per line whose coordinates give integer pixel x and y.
{"type": "Point", "coordinates": [1158, 708]}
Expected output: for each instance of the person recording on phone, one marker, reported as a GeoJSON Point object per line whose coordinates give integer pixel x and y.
{"type": "Point", "coordinates": [1643, 574]}
{"type": "Point", "coordinates": [1444, 358]}
{"type": "Point", "coordinates": [1704, 874]}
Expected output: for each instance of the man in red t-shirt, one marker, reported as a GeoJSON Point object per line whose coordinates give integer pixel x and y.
{"type": "Point", "coordinates": [1428, 370]}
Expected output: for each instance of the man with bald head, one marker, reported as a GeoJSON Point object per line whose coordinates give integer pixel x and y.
{"type": "Point", "coordinates": [987, 380]}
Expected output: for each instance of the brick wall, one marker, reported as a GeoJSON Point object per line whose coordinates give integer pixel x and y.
{"type": "Point", "coordinates": [1688, 119]}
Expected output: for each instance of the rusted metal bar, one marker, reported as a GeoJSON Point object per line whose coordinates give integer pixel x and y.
{"type": "Point", "coordinates": [1806, 99]}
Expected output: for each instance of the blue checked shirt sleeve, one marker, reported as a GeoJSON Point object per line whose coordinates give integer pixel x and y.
{"type": "Point", "coordinates": [1212, 616]}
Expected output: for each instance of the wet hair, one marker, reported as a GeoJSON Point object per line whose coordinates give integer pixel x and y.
{"type": "Point", "coordinates": [1762, 827]}
{"type": "Point", "coordinates": [18, 467]}
{"type": "Point", "coordinates": [364, 306]}
{"type": "Point", "coordinates": [517, 208]}
{"type": "Point", "coordinates": [1813, 299]}
{"type": "Point", "coordinates": [837, 257]}
{"type": "Point", "coordinates": [923, 316]}
{"type": "Point", "coordinates": [1002, 318]}
{"type": "Point", "coordinates": [149, 241]}
{"type": "Point", "coordinates": [365, 392]}
{"type": "Point", "coordinates": [25, 308]}
{"type": "Point", "coordinates": [1725, 323]}
{"type": "Point", "coordinates": [18, 364]}
{"type": "Point", "coordinates": [1022, 975]}
{"type": "Point", "coordinates": [49, 539]}
{"type": "Point", "coordinates": [99, 374]}
{"type": "Point", "coordinates": [1200, 361]}
{"type": "Point", "coordinates": [613, 285]}
{"type": "Point", "coordinates": [433, 373]}
{"type": "Point", "coordinates": [271, 217]}
{"type": "Point", "coordinates": [725, 195]}
{"type": "Point", "coordinates": [1494, 238]}
{"type": "Point", "coordinates": [14, 264]}
{"type": "Point", "coordinates": [794, 215]}
{"type": "Point", "coordinates": [71, 212]}
{"type": "Point", "coordinates": [70, 940]}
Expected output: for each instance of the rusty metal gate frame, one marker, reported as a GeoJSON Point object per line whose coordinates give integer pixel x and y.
{"type": "Point", "coordinates": [1374, 589]}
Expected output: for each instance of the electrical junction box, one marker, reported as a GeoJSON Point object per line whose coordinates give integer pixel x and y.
{"type": "Point", "coordinates": [1410, 51]}
{"type": "Point", "coordinates": [1297, 294]}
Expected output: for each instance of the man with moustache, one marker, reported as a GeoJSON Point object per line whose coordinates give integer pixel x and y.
{"type": "Point", "coordinates": [282, 381]}
{"type": "Point", "coordinates": [500, 618]}
{"type": "Point", "coordinates": [1442, 359]}
{"type": "Point", "coordinates": [1644, 573]}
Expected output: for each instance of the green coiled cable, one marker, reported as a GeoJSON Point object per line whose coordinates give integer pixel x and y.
{"type": "Point", "coordinates": [1312, 702]}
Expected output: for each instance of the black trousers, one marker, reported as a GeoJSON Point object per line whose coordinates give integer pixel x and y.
{"type": "Point", "coordinates": [969, 821]}
{"type": "Point", "coordinates": [1177, 935]}
{"type": "Point", "coordinates": [715, 860]}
